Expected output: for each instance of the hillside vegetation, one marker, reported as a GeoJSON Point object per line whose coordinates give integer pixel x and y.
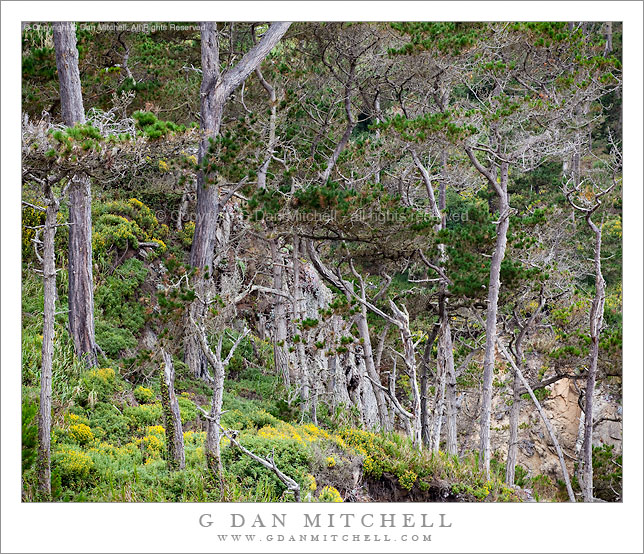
{"type": "Point", "coordinates": [323, 262]}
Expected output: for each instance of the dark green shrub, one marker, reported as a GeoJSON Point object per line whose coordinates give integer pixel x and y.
{"type": "Point", "coordinates": [29, 435]}
{"type": "Point", "coordinates": [109, 424]}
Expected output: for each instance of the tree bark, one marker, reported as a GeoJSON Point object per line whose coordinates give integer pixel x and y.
{"type": "Point", "coordinates": [213, 418]}
{"type": "Point", "coordinates": [424, 389]}
{"type": "Point", "coordinates": [446, 378]}
{"type": "Point", "coordinates": [216, 88]}
{"type": "Point", "coordinates": [596, 321]}
{"type": "Point", "coordinates": [172, 416]}
{"type": "Point", "coordinates": [71, 97]}
{"type": "Point", "coordinates": [46, 371]}
{"type": "Point", "coordinates": [280, 332]}
{"type": "Point", "coordinates": [515, 412]}
{"type": "Point", "coordinates": [303, 373]}
{"type": "Point", "coordinates": [81, 283]}
{"type": "Point", "coordinates": [494, 285]}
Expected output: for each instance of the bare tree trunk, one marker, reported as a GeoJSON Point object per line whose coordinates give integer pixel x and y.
{"type": "Point", "coordinates": [367, 350]}
{"type": "Point", "coordinates": [515, 412]}
{"type": "Point", "coordinates": [216, 88]}
{"type": "Point", "coordinates": [452, 436]}
{"type": "Point", "coordinates": [303, 374]}
{"type": "Point", "coordinates": [71, 96]}
{"type": "Point", "coordinates": [446, 378]}
{"type": "Point", "coordinates": [213, 418]}
{"type": "Point", "coordinates": [424, 390]}
{"type": "Point", "coordinates": [46, 371]}
{"type": "Point", "coordinates": [213, 452]}
{"type": "Point", "coordinates": [410, 361]}
{"type": "Point", "coordinates": [609, 38]}
{"type": "Point", "coordinates": [445, 343]}
{"type": "Point", "coordinates": [439, 406]}
{"type": "Point", "coordinates": [172, 416]}
{"type": "Point", "coordinates": [280, 333]}
{"type": "Point", "coordinates": [596, 321]}
{"type": "Point", "coordinates": [270, 147]}
{"type": "Point", "coordinates": [544, 418]}
{"type": "Point", "coordinates": [269, 463]}
{"type": "Point", "coordinates": [81, 283]}
{"type": "Point", "coordinates": [492, 305]}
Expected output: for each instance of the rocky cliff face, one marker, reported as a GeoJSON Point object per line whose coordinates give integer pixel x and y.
{"type": "Point", "coordinates": [563, 406]}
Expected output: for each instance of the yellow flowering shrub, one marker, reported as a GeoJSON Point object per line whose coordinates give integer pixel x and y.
{"type": "Point", "coordinates": [140, 417]}
{"type": "Point", "coordinates": [187, 233]}
{"type": "Point", "coordinates": [154, 441]}
{"type": "Point", "coordinates": [124, 224]}
{"type": "Point", "coordinates": [99, 383]}
{"type": "Point", "coordinates": [144, 395]}
{"type": "Point", "coordinates": [309, 482]}
{"type": "Point", "coordinates": [81, 433]}
{"type": "Point", "coordinates": [330, 461]}
{"type": "Point", "coordinates": [72, 465]}
{"type": "Point", "coordinates": [407, 480]}
{"type": "Point", "coordinates": [330, 494]}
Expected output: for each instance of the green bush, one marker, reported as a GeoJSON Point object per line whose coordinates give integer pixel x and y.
{"type": "Point", "coordinates": [291, 456]}
{"type": "Point", "coordinates": [112, 339]}
{"type": "Point", "coordinates": [187, 408]}
{"type": "Point", "coordinates": [99, 383]}
{"type": "Point", "coordinates": [121, 314]}
{"type": "Point", "coordinates": [146, 415]}
{"type": "Point", "coordinates": [123, 224]}
{"type": "Point", "coordinates": [108, 423]}
{"type": "Point", "coordinates": [607, 473]}
{"type": "Point", "coordinates": [29, 435]}
{"type": "Point", "coordinates": [72, 466]}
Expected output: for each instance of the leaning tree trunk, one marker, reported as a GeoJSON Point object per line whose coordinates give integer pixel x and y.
{"type": "Point", "coordinates": [402, 317]}
{"type": "Point", "coordinates": [46, 371]}
{"type": "Point", "coordinates": [367, 352]}
{"type": "Point", "coordinates": [172, 416]}
{"type": "Point", "coordinates": [544, 417]}
{"type": "Point", "coordinates": [81, 283]}
{"type": "Point", "coordinates": [446, 346]}
{"type": "Point", "coordinates": [216, 88]}
{"type": "Point", "coordinates": [596, 321]}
